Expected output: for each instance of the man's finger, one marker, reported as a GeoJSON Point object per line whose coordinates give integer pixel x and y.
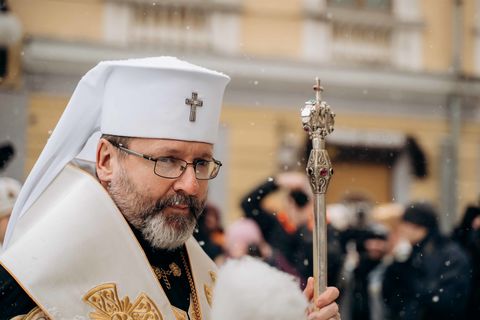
{"type": "Point", "coordinates": [308, 292]}
{"type": "Point", "coordinates": [327, 297]}
{"type": "Point", "coordinates": [327, 312]}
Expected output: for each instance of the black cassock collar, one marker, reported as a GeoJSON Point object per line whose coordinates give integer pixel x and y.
{"type": "Point", "coordinates": [169, 267]}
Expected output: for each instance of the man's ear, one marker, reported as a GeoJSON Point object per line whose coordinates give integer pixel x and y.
{"type": "Point", "coordinates": [105, 161]}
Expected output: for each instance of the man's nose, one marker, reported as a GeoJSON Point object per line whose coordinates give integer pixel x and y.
{"type": "Point", "coordinates": [187, 182]}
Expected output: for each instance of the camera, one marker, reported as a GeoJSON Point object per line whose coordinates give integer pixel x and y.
{"type": "Point", "coordinates": [299, 197]}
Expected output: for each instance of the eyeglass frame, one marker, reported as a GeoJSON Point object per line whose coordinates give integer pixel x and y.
{"type": "Point", "coordinates": [155, 160]}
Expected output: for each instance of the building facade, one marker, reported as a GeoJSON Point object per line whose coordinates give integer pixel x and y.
{"type": "Point", "coordinates": [396, 73]}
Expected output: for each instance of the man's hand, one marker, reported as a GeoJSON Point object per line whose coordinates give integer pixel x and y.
{"type": "Point", "coordinates": [326, 307]}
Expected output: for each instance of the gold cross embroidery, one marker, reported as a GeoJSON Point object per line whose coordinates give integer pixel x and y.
{"type": "Point", "coordinates": [104, 298]}
{"type": "Point", "coordinates": [193, 103]}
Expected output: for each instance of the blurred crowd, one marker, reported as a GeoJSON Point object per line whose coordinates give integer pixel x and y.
{"type": "Point", "coordinates": [389, 261]}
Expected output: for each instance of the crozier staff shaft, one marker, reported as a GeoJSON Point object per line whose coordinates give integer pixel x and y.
{"type": "Point", "coordinates": [318, 120]}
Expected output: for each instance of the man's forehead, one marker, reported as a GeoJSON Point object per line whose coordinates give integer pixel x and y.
{"type": "Point", "coordinates": [172, 146]}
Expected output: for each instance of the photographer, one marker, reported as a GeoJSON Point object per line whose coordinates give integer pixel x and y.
{"type": "Point", "coordinates": [290, 230]}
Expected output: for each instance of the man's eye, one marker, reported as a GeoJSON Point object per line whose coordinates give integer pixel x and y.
{"type": "Point", "coordinates": [167, 160]}
{"type": "Point", "coordinates": [202, 163]}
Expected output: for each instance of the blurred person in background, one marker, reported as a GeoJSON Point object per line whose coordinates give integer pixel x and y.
{"type": "Point", "coordinates": [290, 230]}
{"type": "Point", "coordinates": [244, 238]}
{"type": "Point", "coordinates": [279, 228]}
{"type": "Point", "coordinates": [7, 151]}
{"type": "Point", "coordinates": [9, 190]}
{"type": "Point", "coordinates": [339, 216]}
{"type": "Point", "coordinates": [357, 273]}
{"type": "Point", "coordinates": [467, 234]}
{"type": "Point", "coordinates": [388, 215]}
{"type": "Point", "coordinates": [209, 233]}
{"type": "Point", "coordinates": [359, 209]}
{"type": "Point", "coordinates": [430, 279]}
{"type": "Point", "coordinates": [352, 218]}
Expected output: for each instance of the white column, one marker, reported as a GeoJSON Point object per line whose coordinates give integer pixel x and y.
{"type": "Point", "coordinates": [150, 27]}
{"type": "Point", "coordinates": [407, 35]}
{"type": "Point", "coordinates": [117, 22]}
{"type": "Point", "coordinates": [225, 31]}
{"type": "Point", "coordinates": [401, 179]}
{"type": "Point", "coordinates": [315, 5]}
{"type": "Point", "coordinates": [317, 32]}
{"type": "Point", "coordinates": [477, 38]}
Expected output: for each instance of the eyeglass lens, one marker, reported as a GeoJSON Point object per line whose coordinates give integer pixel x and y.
{"type": "Point", "coordinates": [173, 168]}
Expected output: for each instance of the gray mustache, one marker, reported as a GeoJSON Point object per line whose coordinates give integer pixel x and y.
{"type": "Point", "coordinates": [195, 206]}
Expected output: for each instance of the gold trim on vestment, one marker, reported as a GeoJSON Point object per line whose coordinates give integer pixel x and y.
{"type": "Point", "coordinates": [163, 302]}
{"type": "Point", "coordinates": [25, 290]}
{"type": "Point", "coordinates": [213, 276]}
{"type": "Point", "coordinates": [35, 314]}
{"type": "Point", "coordinates": [179, 314]}
{"type": "Point", "coordinates": [208, 294]}
{"type": "Point", "coordinates": [197, 310]}
{"type": "Point", "coordinates": [135, 241]}
{"type": "Point", "coordinates": [104, 298]}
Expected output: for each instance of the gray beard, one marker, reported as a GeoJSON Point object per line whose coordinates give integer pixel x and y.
{"type": "Point", "coordinates": [161, 231]}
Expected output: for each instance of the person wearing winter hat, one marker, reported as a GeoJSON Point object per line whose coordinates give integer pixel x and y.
{"type": "Point", "coordinates": [431, 280]}
{"type": "Point", "coordinates": [118, 244]}
{"type": "Point", "coordinates": [243, 237]}
{"type": "Point", "coordinates": [418, 221]}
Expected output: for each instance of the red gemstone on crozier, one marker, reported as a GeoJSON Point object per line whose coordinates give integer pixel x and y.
{"type": "Point", "coordinates": [323, 172]}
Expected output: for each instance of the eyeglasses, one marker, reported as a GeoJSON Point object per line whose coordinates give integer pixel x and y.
{"type": "Point", "coordinates": [172, 168]}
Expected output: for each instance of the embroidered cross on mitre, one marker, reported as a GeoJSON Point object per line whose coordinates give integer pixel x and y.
{"type": "Point", "coordinates": [194, 102]}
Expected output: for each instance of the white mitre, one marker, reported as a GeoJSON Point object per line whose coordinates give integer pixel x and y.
{"type": "Point", "coordinates": [249, 289]}
{"type": "Point", "coordinates": [160, 97]}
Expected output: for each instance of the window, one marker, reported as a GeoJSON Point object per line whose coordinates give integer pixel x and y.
{"type": "Point", "coordinates": [381, 5]}
{"type": "Point", "coordinates": [169, 25]}
{"type": "Point", "coordinates": [186, 25]}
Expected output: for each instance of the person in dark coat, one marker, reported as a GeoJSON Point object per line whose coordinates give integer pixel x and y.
{"type": "Point", "coordinates": [432, 282]}
{"type": "Point", "coordinates": [209, 232]}
{"type": "Point", "coordinates": [290, 230]}
{"type": "Point", "coordinates": [356, 299]}
{"type": "Point", "coordinates": [467, 234]}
